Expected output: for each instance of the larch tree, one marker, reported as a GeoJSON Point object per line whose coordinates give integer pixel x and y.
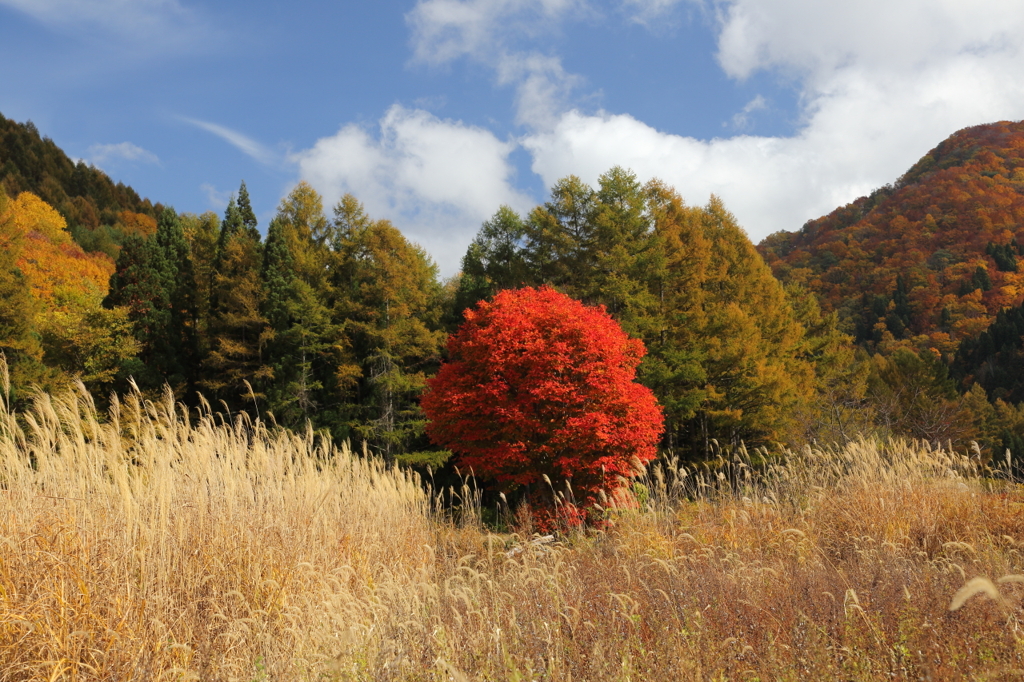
{"type": "Point", "coordinates": [388, 300]}
{"type": "Point", "coordinates": [235, 369]}
{"type": "Point", "coordinates": [202, 233]}
{"type": "Point", "coordinates": [627, 253]}
{"type": "Point", "coordinates": [303, 334]}
{"type": "Point", "coordinates": [495, 259]}
{"type": "Point", "coordinates": [560, 235]}
{"type": "Point", "coordinates": [729, 354]}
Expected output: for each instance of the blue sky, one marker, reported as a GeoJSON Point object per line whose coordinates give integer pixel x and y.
{"type": "Point", "coordinates": [435, 112]}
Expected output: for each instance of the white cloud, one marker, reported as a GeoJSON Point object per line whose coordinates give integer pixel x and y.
{"type": "Point", "coordinates": [438, 180]}
{"type": "Point", "coordinates": [880, 84]}
{"type": "Point", "coordinates": [145, 26]}
{"type": "Point", "coordinates": [647, 12]}
{"type": "Point", "coordinates": [741, 120]}
{"type": "Point", "coordinates": [817, 39]}
{"type": "Point", "coordinates": [445, 30]}
{"type": "Point", "coordinates": [248, 146]}
{"type": "Point", "coordinates": [492, 33]}
{"type": "Point", "coordinates": [124, 151]}
{"type": "Point", "coordinates": [862, 132]}
{"type": "Point", "coordinates": [542, 87]}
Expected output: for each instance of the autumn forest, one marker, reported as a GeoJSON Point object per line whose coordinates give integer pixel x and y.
{"type": "Point", "coordinates": [623, 442]}
{"type": "Point", "coordinates": [897, 315]}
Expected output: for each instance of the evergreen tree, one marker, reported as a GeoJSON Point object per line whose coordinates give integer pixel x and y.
{"type": "Point", "coordinates": [901, 304]}
{"type": "Point", "coordinates": [291, 342]}
{"type": "Point", "coordinates": [494, 261]}
{"type": "Point", "coordinates": [627, 253]}
{"type": "Point", "coordinates": [155, 280]}
{"type": "Point", "coordinates": [140, 284]}
{"type": "Point", "coordinates": [560, 236]}
{"type": "Point", "coordinates": [304, 339]}
{"type": "Point", "coordinates": [388, 298]}
{"type": "Point", "coordinates": [245, 212]}
{"type": "Point", "coordinates": [231, 225]}
{"type": "Point", "coordinates": [177, 350]}
{"type": "Point", "coordinates": [235, 369]}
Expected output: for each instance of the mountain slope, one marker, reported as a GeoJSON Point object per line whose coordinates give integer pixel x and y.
{"type": "Point", "coordinates": [933, 257]}
{"type": "Point", "coordinates": [98, 211]}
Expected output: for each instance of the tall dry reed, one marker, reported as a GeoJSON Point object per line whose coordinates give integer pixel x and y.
{"type": "Point", "coordinates": [148, 546]}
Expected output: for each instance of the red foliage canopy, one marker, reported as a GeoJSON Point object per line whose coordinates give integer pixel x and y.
{"type": "Point", "coordinates": [539, 384]}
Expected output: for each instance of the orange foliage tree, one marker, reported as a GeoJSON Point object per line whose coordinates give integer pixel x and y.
{"type": "Point", "coordinates": [67, 286]}
{"type": "Point", "coordinates": [540, 388]}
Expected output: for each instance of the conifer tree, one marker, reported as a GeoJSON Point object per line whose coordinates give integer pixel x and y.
{"type": "Point", "coordinates": [627, 254]}
{"type": "Point", "coordinates": [231, 225]}
{"type": "Point", "coordinates": [235, 369]}
{"type": "Point", "coordinates": [495, 259]}
{"type": "Point", "coordinates": [388, 299]}
{"type": "Point", "coordinates": [303, 336]}
{"type": "Point", "coordinates": [289, 351]}
{"type": "Point", "coordinates": [245, 213]}
{"type": "Point", "coordinates": [140, 284]}
{"type": "Point", "coordinates": [560, 236]}
{"type": "Point", "coordinates": [727, 360]}
{"type": "Point", "coordinates": [177, 356]}
{"type": "Point", "coordinates": [202, 234]}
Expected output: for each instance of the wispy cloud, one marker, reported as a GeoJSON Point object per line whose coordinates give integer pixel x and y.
{"type": "Point", "coordinates": [741, 120]}
{"type": "Point", "coordinates": [216, 198]}
{"type": "Point", "coordinates": [492, 32]}
{"type": "Point", "coordinates": [651, 12]}
{"type": "Point", "coordinates": [123, 151]}
{"type": "Point", "coordinates": [243, 143]}
{"type": "Point", "coordinates": [143, 26]}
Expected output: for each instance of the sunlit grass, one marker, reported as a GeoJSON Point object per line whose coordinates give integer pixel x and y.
{"type": "Point", "coordinates": [147, 546]}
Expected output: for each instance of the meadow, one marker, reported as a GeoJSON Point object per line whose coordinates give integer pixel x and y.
{"type": "Point", "coordinates": [154, 544]}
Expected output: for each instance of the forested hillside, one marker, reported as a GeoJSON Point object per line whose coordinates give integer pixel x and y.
{"type": "Point", "coordinates": [931, 258]}
{"type": "Point", "coordinates": [98, 211]}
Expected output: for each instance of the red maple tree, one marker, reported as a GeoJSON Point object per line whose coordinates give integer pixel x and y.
{"type": "Point", "coordinates": [539, 384]}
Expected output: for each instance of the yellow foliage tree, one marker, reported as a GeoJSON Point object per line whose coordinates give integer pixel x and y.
{"type": "Point", "coordinates": [68, 285]}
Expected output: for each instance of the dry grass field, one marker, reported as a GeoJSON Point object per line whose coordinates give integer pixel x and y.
{"type": "Point", "coordinates": [145, 546]}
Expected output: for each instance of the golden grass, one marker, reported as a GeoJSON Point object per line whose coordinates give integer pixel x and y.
{"type": "Point", "coordinates": [148, 547]}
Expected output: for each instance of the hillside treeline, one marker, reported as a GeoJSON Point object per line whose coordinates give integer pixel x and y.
{"type": "Point", "coordinates": [339, 320]}
{"type": "Point", "coordinates": [98, 211]}
{"type": "Point", "coordinates": [928, 261]}
{"type": "Point", "coordinates": [335, 319]}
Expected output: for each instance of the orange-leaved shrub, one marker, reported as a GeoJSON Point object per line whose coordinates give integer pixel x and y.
{"type": "Point", "coordinates": [541, 390]}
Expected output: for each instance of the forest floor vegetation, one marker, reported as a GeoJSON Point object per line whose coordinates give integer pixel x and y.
{"type": "Point", "coordinates": [152, 545]}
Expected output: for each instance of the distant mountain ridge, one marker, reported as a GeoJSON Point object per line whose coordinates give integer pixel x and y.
{"type": "Point", "coordinates": [933, 257]}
